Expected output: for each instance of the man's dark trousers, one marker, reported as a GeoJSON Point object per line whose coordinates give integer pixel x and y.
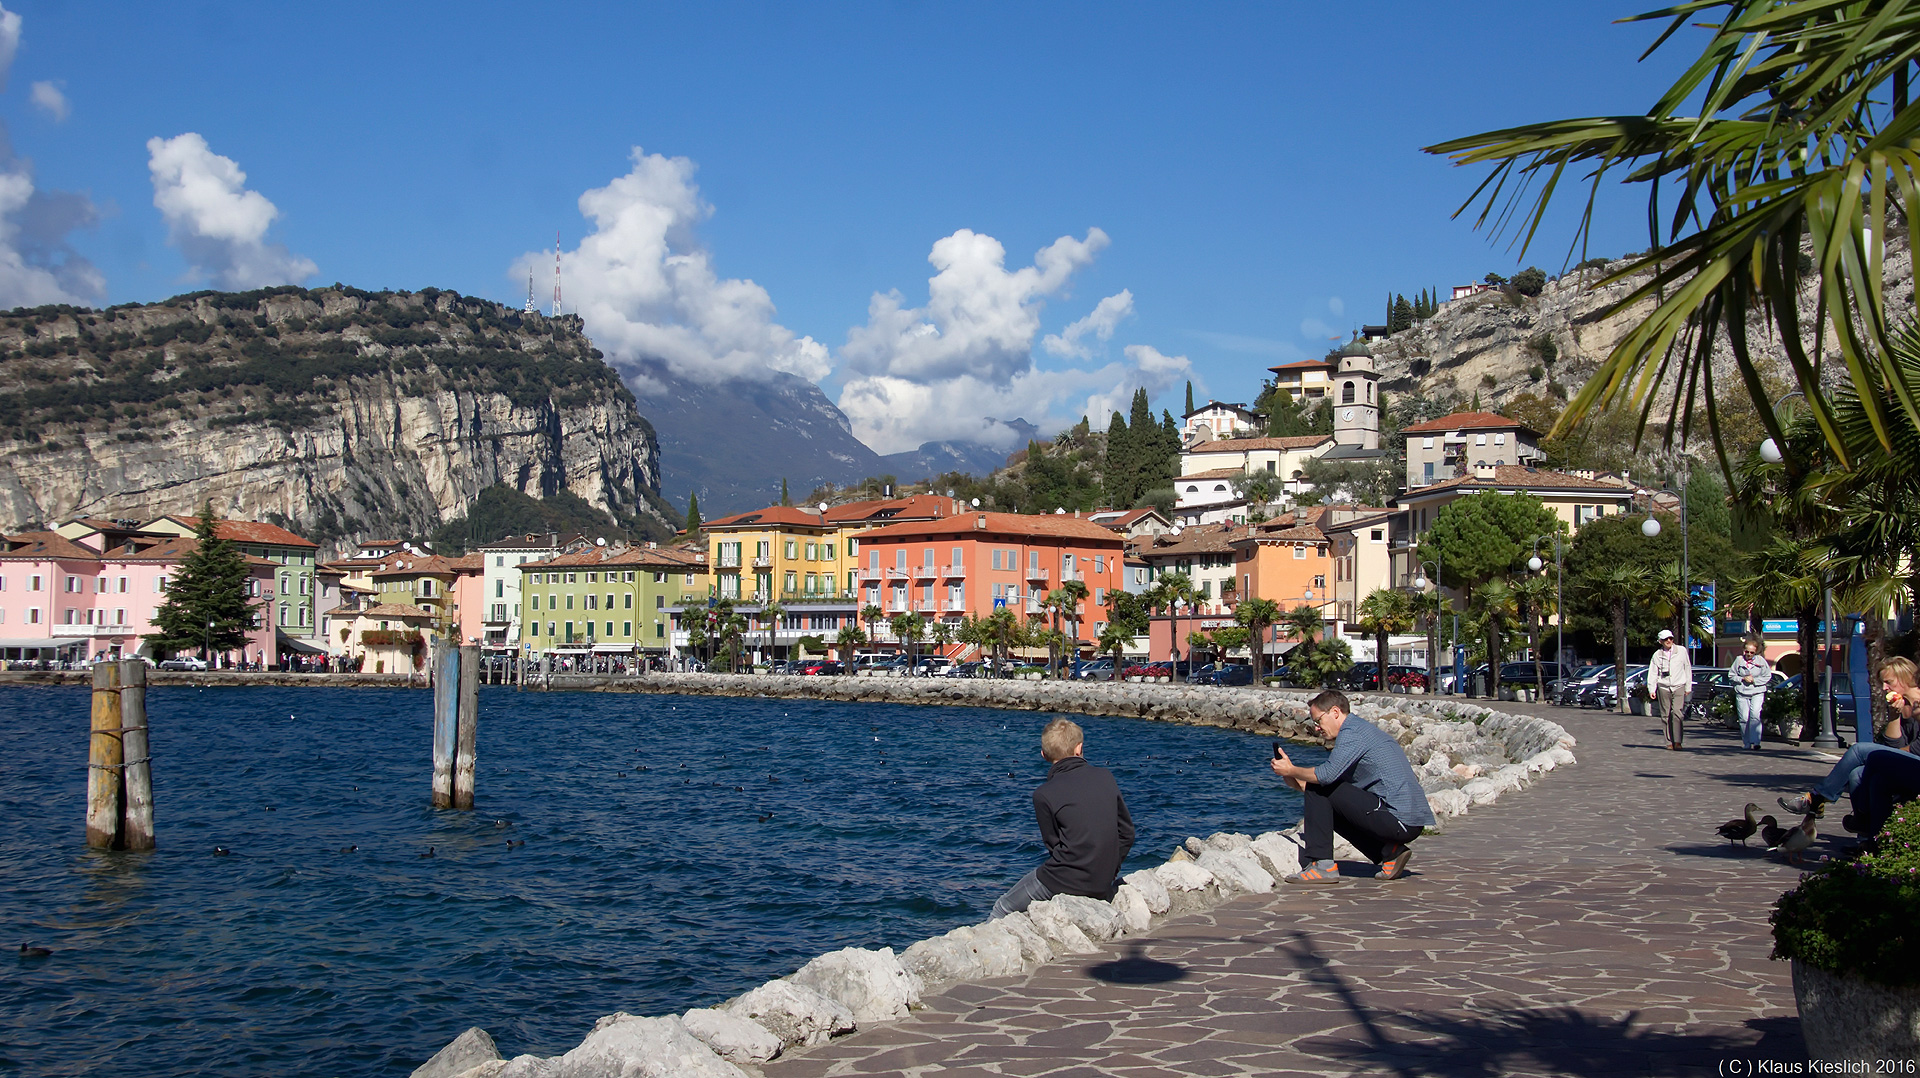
{"type": "Point", "coordinates": [1358, 815]}
{"type": "Point", "coordinates": [1886, 780]}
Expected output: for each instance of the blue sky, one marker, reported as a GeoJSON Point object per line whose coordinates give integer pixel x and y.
{"type": "Point", "coordinates": [1253, 172]}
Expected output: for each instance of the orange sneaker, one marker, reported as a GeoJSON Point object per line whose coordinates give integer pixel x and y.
{"type": "Point", "coordinates": [1320, 874]}
{"type": "Point", "coordinates": [1393, 861]}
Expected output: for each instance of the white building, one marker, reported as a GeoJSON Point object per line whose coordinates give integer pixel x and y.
{"type": "Point", "coordinates": [501, 582]}
{"type": "Point", "coordinates": [1218, 419]}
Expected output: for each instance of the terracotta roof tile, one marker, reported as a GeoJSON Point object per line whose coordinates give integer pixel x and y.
{"type": "Point", "coordinates": [1245, 445]}
{"type": "Point", "coordinates": [912, 507]}
{"type": "Point", "coordinates": [1523, 477]}
{"type": "Point", "coordinates": [397, 610]}
{"type": "Point", "coordinates": [249, 531]}
{"type": "Point", "coordinates": [43, 545]}
{"type": "Point", "coordinates": [1466, 421]}
{"type": "Point", "coordinates": [977, 522]}
{"type": "Point", "coordinates": [771, 516]}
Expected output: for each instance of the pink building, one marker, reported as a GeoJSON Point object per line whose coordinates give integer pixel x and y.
{"type": "Point", "coordinates": [95, 596]}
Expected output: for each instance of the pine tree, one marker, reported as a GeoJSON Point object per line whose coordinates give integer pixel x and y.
{"type": "Point", "coordinates": [206, 607]}
{"type": "Point", "coordinates": [1402, 316]}
{"type": "Point", "coordinates": [1166, 461]}
{"type": "Point", "coordinates": [1476, 402]}
{"type": "Point", "coordinates": [1189, 398]}
{"type": "Point", "coordinates": [693, 515]}
{"type": "Point", "coordinates": [1119, 469]}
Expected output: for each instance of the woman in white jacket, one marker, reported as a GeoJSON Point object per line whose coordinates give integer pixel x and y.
{"type": "Point", "coordinates": [1751, 674]}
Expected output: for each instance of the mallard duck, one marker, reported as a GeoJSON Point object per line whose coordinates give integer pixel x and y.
{"type": "Point", "coordinates": [1771, 833]}
{"type": "Point", "coordinates": [29, 951]}
{"type": "Point", "coordinates": [1740, 830]}
{"type": "Point", "coordinates": [1798, 840]}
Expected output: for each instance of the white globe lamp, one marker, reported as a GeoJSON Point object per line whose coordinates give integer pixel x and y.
{"type": "Point", "coordinates": [1650, 527]}
{"type": "Point", "coordinates": [1770, 451]}
{"type": "Point", "coordinates": [1534, 563]}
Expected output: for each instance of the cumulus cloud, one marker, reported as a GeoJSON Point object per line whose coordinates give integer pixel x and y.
{"type": "Point", "coordinates": [218, 224]}
{"type": "Point", "coordinates": [9, 41]}
{"type": "Point", "coordinates": [48, 99]}
{"type": "Point", "coordinates": [1101, 322]}
{"type": "Point", "coordinates": [959, 367]}
{"type": "Point", "coordinates": [648, 291]}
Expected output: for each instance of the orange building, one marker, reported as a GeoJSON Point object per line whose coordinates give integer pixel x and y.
{"type": "Point", "coordinates": [1288, 560]}
{"type": "Point", "coordinates": [975, 562]}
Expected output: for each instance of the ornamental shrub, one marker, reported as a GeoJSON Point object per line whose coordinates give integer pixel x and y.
{"type": "Point", "coordinates": [1860, 917]}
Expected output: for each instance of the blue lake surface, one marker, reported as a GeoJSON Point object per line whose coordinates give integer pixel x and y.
{"type": "Point", "coordinates": [678, 851]}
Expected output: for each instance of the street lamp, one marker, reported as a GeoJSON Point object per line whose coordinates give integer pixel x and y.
{"type": "Point", "coordinates": [206, 645]}
{"type": "Point", "coordinates": [1650, 527]}
{"type": "Point", "coordinates": [1176, 605]}
{"type": "Point", "coordinates": [1559, 602]}
{"type": "Point", "coordinates": [1433, 640]}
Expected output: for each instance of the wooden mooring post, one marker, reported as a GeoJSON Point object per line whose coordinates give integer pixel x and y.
{"type": "Point", "coordinates": [456, 713]}
{"type": "Point", "coordinates": [119, 771]}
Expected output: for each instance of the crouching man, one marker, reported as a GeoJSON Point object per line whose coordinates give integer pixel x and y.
{"type": "Point", "coordinates": [1365, 791]}
{"type": "Point", "coordinates": [1083, 822]}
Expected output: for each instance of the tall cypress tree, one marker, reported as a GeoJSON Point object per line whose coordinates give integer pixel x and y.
{"type": "Point", "coordinates": [785, 498]}
{"type": "Point", "coordinates": [693, 515]}
{"type": "Point", "coordinates": [1119, 469]}
{"type": "Point", "coordinates": [1189, 398]}
{"type": "Point", "coordinates": [206, 608]}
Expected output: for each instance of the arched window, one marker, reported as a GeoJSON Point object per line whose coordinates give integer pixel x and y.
{"type": "Point", "coordinates": [1219, 486]}
{"type": "Point", "coordinates": [1369, 392]}
{"type": "Point", "coordinates": [1346, 393]}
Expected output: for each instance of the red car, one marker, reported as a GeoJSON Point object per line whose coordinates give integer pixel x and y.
{"type": "Point", "coordinates": [819, 667]}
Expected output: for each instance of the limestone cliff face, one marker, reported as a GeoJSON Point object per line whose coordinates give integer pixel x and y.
{"type": "Point", "coordinates": [344, 414]}
{"type": "Point", "coordinates": [1498, 344]}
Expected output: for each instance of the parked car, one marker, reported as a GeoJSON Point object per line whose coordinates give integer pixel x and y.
{"type": "Point", "coordinates": [1360, 675]}
{"type": "Point", "coordinates": [1447, 679]}
{"type": "Point", "coordinates": [1224, 674]}
{"type": "Point", "coordinates": [1566, 692]}
{"type": "Point", "coordinates": [1843, 721]}
{"type": "Point", "coordinates": [933, 666]}
{"type": "Point", "coordinates": [1093, 670]}
{"type": "Point", "coordinates": [817, 668]}
{"type": "Point", "coordinates": [183, 662]}
{"type": "Point", "coordinates": [1530, 673]}
{"type": "Point", "coordinates": [1605, 692]}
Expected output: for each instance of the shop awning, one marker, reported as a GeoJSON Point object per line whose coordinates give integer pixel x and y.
{"type": "Point", "coordinates": [613, 649]}
{"type": "Point", "coordinates": [301, 647]}
{"type": "Point", "coordinates": [44, 642]}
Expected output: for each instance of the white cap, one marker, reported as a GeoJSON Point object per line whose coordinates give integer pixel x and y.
{"type": "Point", "coordinates": [1665, 634]}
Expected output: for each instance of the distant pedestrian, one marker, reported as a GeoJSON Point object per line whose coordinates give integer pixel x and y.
{"type": "Point", "coordinates": [1670, 680]}
{"type": "Point", "coordinates": [1083, 823]}
{"type": "Point", "coordinates": [1751, 674]}
{"type": "Point", "coordinates": [1365, 791]}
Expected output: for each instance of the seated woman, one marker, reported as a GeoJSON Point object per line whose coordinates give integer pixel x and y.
{"type": "Point", "coordinates": [1897, 681]}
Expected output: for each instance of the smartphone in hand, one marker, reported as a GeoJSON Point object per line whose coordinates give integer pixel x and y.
{"type": "Point", "coordinates": [1278, 752]}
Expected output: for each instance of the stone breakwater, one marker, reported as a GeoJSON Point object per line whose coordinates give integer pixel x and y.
{"type": "Point", "coordinates": [1465, 756]}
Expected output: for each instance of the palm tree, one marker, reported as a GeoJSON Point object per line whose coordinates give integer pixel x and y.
{"type": "Point", "coordinates": [1113, 639]}
{"type": "Point", "coordinates": [733, 633]}
{"type": "Point", "coordinates": [1074, 593]}
{"type": "Point", "coordinates": [1620, 586]}
{"type": "Point", "coordinates": [1256, 615]}
{"type": "Point", "coordinates": [1052, 606]}
{"type": "Point", "coordinates": [1167, 590]}
{"type": "Point", "coordinates": [770, 616]}
{"type": "Point", "coordinates": [1425, 607]}
{"type": "Point", "coordinates": [1495, 604]}
{"type": "Point", "coordinates": [1793, 142]}
{"type": "Point", "coordinates": [849, 639]}
{"type": "Point", "coordinates": [1001, 628]}
{"type": "Point", "coordinates": [1304, 623]}
{"type": "Point", "coordinates": [907, 628]}
{"type": "Point", "coordinates": [871, 614]}
{"type": "Point", "coordinates": [942, 635]}
{"type": "Point", "coordinates": [1384, 612]}
{"type": "Point", "coordinates": [1535, 596]}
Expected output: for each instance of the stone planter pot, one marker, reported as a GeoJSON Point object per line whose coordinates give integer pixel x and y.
{"type": "Point", "coordinates": [1135, 678]}
{"type": "Point", "coordinates": [1638, 707]}
{"type": "Point", "coordinates": [1162, 680]}
{"type": "Point", "coordinates": [1034, 677]}
{"type": "Point", "coordinates": [1846, 1018]}
{"type": "Point", "coordinates": [1415, 690]}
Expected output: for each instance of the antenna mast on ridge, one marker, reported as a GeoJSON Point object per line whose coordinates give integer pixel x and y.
{"type": "Point", "coordinates": [556, 274]}
{"type": "Point", "coordinates": [530, 308]}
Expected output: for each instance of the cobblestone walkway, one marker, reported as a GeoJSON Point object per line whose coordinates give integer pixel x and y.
{"type": "Point", "coordinates": [1592, 925]}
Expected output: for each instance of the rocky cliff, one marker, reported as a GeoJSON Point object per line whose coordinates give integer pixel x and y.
{"type": "Point", "coordinates": [339, 412]}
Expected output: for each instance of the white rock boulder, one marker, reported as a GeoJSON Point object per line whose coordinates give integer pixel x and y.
{"type": "Point", "coordinates": [872, 984]}
{"type": "Point", "coordinates": [796, 1014]}
{"type": "Point", "coordinates": [1058, 928]}
{"type": "Point", "coordinates": [629, 1047]}
{"type": "Point", "coordinates": [732, 1038]}
{"type": "Point", "coordinates": [463, 1053]}
{"type": "Point", "coordinates": [1150, 888]}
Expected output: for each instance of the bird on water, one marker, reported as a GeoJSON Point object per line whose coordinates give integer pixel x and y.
{"type": "Point", "coordinates": [221, 851]}
{"type": "Point", "coordinates": [30, 951]}
{"type": "Point", "coordinates": [429, 852]}
{"type": "Point", "coordinates": [1741, 830]}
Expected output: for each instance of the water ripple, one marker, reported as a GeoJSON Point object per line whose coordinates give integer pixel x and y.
{"type": "Point", "coordinates": [678, 850]}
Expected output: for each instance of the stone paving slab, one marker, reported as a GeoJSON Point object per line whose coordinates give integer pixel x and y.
{"type": "Point", "coordinates": [1594, 924]}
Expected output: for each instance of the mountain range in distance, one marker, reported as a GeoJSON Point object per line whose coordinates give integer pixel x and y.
{"type": "Point", "coordinates": [733, 442]}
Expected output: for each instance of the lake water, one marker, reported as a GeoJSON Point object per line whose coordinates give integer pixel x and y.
{"type": "Point", "coordinates": [678, 851]}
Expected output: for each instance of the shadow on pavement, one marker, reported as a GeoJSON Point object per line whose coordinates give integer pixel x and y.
{"type": "Point", "coordinates": [1136, 968]}
{"type": "Point", "coordinates": [1555, 1040]}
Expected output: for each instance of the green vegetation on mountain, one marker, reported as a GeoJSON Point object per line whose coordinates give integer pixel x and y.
{"type": "Point", "coordinates": [218, 359]}
{"type": "Point", "coordinates": [501, 511]}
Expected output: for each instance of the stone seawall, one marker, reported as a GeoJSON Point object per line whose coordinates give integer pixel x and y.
{"type": "Point", "coordinates": [1464, 755]}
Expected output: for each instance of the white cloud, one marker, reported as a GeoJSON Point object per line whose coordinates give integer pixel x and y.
{"type": "Point", "coordinates": [648, 291]}
{"type": "Point", "coordinates": [48, 99]}
{"type": "Point", "coordinates": [1313, 327]}
{"type": "Point", "coordinates": [9, 41]}
{"type": "Point", "coordinates": [1337, 306]}
{"type": "Point", "coordinates": [217, 223]}
{"type": "Point", "coordinates": [1101, 322]}
{"type": "Point", "coordinates": [958, 368]}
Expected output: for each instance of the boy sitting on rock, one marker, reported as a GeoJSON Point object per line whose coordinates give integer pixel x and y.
{"type": "Point", "coordinates": [1366, 791]}
{"type": "Point", "coordinates": [1083, 822]}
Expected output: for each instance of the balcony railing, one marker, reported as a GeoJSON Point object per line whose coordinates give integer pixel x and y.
{"type": "Point", "coordinates": [954, 571]}
{"type": "Point", "coordinates": [926, 572]}
{"type": "Point", "coordinates": [954, 606]}
{"type": "Point", "coordinates": [870, 572]}
{"type": "Point", "coordinates": [1037, 574]}
{"type": "Point", "coordinates": [763, 563]}
{"type": "Point", "coordinates": [928, 607]}
{"type": "Point", "coordinates": [896, 574]}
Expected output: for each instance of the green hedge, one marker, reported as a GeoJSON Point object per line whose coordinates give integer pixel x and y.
{"type": "Point", "coordinates": [1860, 917]}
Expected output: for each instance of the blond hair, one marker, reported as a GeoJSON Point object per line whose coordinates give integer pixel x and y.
{"type": "Point", "coordinates": [1901, 669]}
{"type": "Point", "coordinates": [1059, 739]}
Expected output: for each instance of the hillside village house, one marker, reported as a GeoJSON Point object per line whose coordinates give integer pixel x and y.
{"type": "Point", "coordinates": [1205, 487]}
{"type": "Point", "coordinates": [1305, 379]}
{"type": "Point", "coordinates": [1575, 499]}
{"type": "Point", "coordinates": [1216, 419]}
{"type": "Point", "coordinates": [600, 599]}
{"type": "Point", "coordinates": [1454, 445]}
{"type": "Point", "coordinates": [448, 588]}
{"type": "Point", "coordinates": [388, 638]}
{"type": "Point", "coordinates": [1132, 523]}
{"type": "Point", "coordinates": [976, 562]}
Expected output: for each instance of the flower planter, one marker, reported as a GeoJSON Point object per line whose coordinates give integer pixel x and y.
{"type": "Point", "coordinates": [1034, 677]}
{"type": "Point", "coordinates": [1415, 690]}
{"type": "Point", "coordinates": [1136, 678]}
{"type": "Point", "coordinates": [1846, 1018]}
{"type": "Point", "coordinates": [1638, 706]}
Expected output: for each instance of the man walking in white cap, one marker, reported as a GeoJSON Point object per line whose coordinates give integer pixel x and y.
{"type": "Point", "coordinates": [1670, 680]}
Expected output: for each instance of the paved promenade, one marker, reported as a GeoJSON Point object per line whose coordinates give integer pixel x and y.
{"type": "Point", "coordinates": [1592, 925]}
